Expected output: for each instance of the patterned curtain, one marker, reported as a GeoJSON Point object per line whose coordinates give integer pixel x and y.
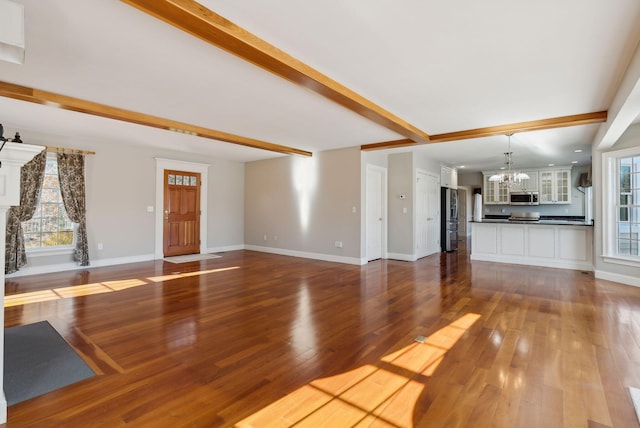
{"type": "Point", "coordinates": [71, 177]}
{"type": "Point", "coordinates": [31, 176]}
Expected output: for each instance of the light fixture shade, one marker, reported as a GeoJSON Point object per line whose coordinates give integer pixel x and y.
{"type": "Point", "coordinates": [11, 32]}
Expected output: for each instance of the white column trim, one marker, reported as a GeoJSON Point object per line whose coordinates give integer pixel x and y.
{"type": "Point", "coordinates": [12, 157]}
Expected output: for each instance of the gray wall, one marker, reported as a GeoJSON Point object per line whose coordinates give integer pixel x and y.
{"type": "Point", "coordinates": [402, 179]}
{"type": "Point", "coordinates": [120, 185]}
{"type": "Point", "coordinates": [307, 203]}
{"type": "Point", "coordinates": [471, 179]}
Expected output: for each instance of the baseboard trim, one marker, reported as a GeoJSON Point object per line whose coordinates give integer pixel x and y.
{"type": "Point", "coordinates": [62, 267]}
{"type": "Point", "coordinates": [533, 262]}
{"type": "Point", "coordinates": [307, 255]}
{"type": "Point", "coordinates": [616, 277]}
{"type": "Point", "coordinates": [403, 257]}
{"type": "Point", "coordinates": [224, 249]}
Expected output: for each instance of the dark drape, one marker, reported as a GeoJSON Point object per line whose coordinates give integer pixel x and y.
{"type": "Point", "coordinates": [31, 176]}
{"type": "Point", "coordinates": [71, 178]}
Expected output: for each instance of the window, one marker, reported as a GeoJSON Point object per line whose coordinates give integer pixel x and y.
{"type": "Point", "coordinates": [621, 227]}
{"type": "Point", "coordinates": [628, 222]}
{"type": "Point", "coordinates": [50, 226]}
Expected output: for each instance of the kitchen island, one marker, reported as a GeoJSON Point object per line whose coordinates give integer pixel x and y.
{"type": "Point", "coordinates": [566, 244]}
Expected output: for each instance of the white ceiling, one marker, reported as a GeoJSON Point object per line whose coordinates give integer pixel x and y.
{"type": "Point", "coordinates": [441, 66]}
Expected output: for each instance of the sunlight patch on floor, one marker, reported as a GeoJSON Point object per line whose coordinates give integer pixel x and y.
{"type": "Point", "coordinates": [96, 288]}
{"type": "Point", "coordinates": [384, 393]}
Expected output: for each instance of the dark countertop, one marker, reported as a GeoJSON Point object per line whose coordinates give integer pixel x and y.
{"type": "Point", "coordinates": [543, 221]}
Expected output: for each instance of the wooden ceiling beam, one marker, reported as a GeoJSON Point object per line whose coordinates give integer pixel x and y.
{"type": "Point", "coordinates": [533, 125]}
{"type": "Point", "coordinates": [205, 24]}
{"type": "Point", "coordinates": [513, 128]}
{"type": "Point", "coordinates": [37, 96]}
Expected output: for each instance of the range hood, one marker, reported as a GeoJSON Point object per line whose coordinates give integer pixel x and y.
{"type": "Point", "coordinates": [585, 179]}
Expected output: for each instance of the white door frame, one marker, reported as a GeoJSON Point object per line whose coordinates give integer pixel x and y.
{"type": "Point", "coordinates": [383, 209]}
{"type": "Point", "coordinates": [203, 169]}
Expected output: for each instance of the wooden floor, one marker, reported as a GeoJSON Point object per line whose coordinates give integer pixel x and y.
{"type": "Point", "coordinates": [254, 339]}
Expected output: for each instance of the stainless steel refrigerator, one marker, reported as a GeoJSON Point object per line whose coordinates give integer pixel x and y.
{"type": "Point", "coordinates": [449, 216]}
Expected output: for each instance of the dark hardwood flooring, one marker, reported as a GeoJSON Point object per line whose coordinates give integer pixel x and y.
{"type": "Point", "coordinates": [253, 339]}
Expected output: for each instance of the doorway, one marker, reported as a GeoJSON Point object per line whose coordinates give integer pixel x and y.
{"type": "Point", "coordinates": [376, 205]}
{"type": "Point", "coordinates": [188, 167]}
{"type": "Point", "coordinates": [181, 215]}
{"type": "Point", "coordinates": [427, 214]}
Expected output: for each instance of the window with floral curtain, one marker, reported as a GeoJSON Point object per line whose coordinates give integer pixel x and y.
{"type": "Point", "coordinates": [31, 176]}
{"type": "Point", "coordinates": [72, 187]}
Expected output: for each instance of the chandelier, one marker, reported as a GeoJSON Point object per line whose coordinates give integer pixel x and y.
{"type": "Point", "coordinates": [510, 178]}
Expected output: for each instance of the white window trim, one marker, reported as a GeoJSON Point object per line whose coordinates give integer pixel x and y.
{"type": "Point", "coordinates": [609, 204]}
{"type": "Point", "coordinates": [45, 252]}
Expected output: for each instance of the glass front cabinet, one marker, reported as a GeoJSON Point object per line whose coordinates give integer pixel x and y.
{"type": "Point", "coordinates": [555, 186]}
{"type": "Point", "coordinates": [494, 193]}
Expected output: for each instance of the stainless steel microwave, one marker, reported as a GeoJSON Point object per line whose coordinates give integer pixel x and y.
{"type": "Point", "coordinates": [524, 198]}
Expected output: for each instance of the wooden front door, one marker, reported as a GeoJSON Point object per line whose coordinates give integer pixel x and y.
{"type": "Point", "coordinates": [181, 225]}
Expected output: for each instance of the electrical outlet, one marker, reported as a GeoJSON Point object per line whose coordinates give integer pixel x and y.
{"type": "Point", "coordinates": [265, 237]}
{"type": "Point", "coordinates": [275, 237]}
{"type": "Point", "coordinates": [100, 246]}
{"type": "Point", "coordinates": [338, 244]}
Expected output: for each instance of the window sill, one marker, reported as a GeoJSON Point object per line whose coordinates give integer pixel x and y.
{"type": "Point", "coordinates": [42, 252]}
{"type": "Point", "coordinates": [619, 260]}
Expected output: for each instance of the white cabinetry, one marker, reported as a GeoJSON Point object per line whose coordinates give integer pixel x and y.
{"type": "Point", "coordinates": [448, 177]}
{"type": "Point", "coordinates": [494, 193]}
{"type": "Point", "coordinates": [555, 186]}
{"type": "Point", "coordinates": [558, 246]}
{"type": "Point", "coordinates": [529, 185]}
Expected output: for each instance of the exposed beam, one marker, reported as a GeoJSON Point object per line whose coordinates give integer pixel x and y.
{"type": "Point", "coordinates": [389, 144]}
{"type": "Point", "coordinates": [533, 125]}
{"type": "Point", "coordinates": [37, 96]}
{"type": "Point", "coordinates": [205, 24]}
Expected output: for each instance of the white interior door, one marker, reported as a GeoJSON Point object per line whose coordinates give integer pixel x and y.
{"type": "Point", "coordinates": [376, 209]}
{"type": "Point", "coordinates": [427, 214]}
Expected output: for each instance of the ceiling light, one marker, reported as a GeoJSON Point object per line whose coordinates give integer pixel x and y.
{"type": "Point", "coordinates": [574, 161]}
{"type": "Point", "coordinates": [552, 164]}
{"type": "Point", "coordinates": [578, 150]}
{"type": "Point", "coordinates": [11, 32]}
{"type": "Point", "coordinates": [510, 178]}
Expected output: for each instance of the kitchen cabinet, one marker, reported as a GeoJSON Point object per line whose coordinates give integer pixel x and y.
{"type": "Point", "coordinates": [494, 193]}
{"type": "Point", "coordinates": [558, 246]}
{"type": "Point", "coordinates": [530, 185]}
{"type": "Point", "coordinates": [555, 186]}
{"type": "Point", "coordinates": [448, 177]}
